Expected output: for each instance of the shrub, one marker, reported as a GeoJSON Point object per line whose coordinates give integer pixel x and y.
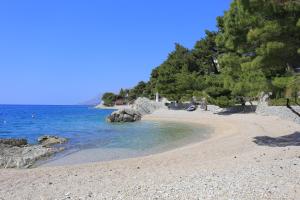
{"type": "Point", "coordinates": [221, 101]}
{"type": "Point", "coordinates": [109, 99]}
{"type": "Point", "coordinates": [282, 102]}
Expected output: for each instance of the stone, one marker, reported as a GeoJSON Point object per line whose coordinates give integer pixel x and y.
{"type": "Point", "coordinates": [128, 111]}
{"type": "Point", "coordinates": [128, 118]}
{"type": "Point", "coordinates": [14, 142]}
{"type": "Point", "coordinates": [48, 140]}
{"type": "Point", "coordinates": [137, 117]}
{"type": "Point", "coordinates": [124, 115]}
{"type": "Point", "coordinates": [25, 156]}
{"type": "Point", "coordinates": [141, 106]}
{"type": "Point", "coordinates": [146, 106]}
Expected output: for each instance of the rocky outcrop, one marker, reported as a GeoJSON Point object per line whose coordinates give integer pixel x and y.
{"type": "Point", "coordinates": [141, 106]}
{"type": "Point", "coordinates": [16, 153]}
{"type": "Point", "coordinates": [14, 142]}
{"type": "Point", "coordinates": [48, 140]}
{"type": "Point", "coordinates": [146, 106]}
{"type": "Point", "coordinates": [124, 115]}
{"type": "Point", "coordinates": [23, 157]}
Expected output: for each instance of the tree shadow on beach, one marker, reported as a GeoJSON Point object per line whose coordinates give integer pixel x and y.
{"type": "Point", "coordinates": [238, 110]}
{"type": "Point", "coordinates": [282, 141]}
{"type": "Point", "coordinates": [293, 110]}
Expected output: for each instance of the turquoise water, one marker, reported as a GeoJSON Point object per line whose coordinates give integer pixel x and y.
{"type": "Point", "coordinates": [86, 128]}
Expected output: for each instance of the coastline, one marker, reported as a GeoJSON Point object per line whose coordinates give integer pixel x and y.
{"type": "Point", "coordinates": [226, 165]}
{"type": "Point", "coordinates": [193, 134]}
{"type": "Point", "coordinates": [101, 106]}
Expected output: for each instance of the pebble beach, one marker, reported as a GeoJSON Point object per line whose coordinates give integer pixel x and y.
{"type": "Point", "coordinates": [245, 158]}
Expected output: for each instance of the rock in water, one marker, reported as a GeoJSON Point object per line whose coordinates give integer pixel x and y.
{"type": "Point", "coordinates": [141, 106]}
{"type": "Point", "coordinates": [124, 115]}
{"type": "Point", "coordinates": [48, 140]}
{"type": "Point", "coordinates": [14, 142]}
{"type": "Point", "coordinates": [16, 153]}
{"type": "Point", "coordinates": [23, 157]}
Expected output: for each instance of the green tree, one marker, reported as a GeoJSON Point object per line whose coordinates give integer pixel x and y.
{"type": "Point", "coordinates": [260, 40]}
{"type": "Point", "coordinates": [286, 86]}
{"type": "Point", "coordinates": [168, 73]}
{"type": "Point", "coordinates": [109, 99]}
{"type": "Point", "coordinates": [255, 48]}
{"type": "Point", "coordinates": [123, 93]}
{"type": "Point", "coordinates": [138, 91]}
{"type": "Point", "coordinates": [216, 91]}
{"type": "Point", "coordinates": [205, 54]}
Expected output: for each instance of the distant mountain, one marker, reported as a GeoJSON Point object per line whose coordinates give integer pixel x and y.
{"type": "Point", "coordinates": [93, 101]}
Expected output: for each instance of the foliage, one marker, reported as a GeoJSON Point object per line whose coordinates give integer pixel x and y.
{"type": "Point", "coordinates": [287, 86]}
{"type": "Point", "coordinates": [138, 91]}
{"type": "Point", "coordinates": [282, 102]}
{"type": "Point", "coordinates": [172, 76]}
{"type": "Point", "coordinates": [254, 49]}
{"type": "Point", "coordinates": [205, 53]}
{"type": "Point", "coordinates": [123, 93]}
{"type": "Point", "coordinates": [293, 88]}
{"type": "Point", "coordinates": [109, 99]}
{"type": "Point", "coordinates": [217, 93]}
{"type": "Point", "coordinates": [260, 39]}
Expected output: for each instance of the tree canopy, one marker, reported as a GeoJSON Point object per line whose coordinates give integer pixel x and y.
{"type": "Point", "coordinates": [255, 49]}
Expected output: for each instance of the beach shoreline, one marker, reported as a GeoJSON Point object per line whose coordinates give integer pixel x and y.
{"type": "Point", "coordinates": [101, 106]}
{"type": "Point", "coordinates": [228, 165]}
{"type": "Point", "coordinates": [102, 154]}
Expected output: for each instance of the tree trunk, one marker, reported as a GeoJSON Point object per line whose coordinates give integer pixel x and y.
{"type": "Point", "coordinates": [216, 71]}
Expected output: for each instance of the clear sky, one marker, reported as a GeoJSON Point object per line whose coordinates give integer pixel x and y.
{"type": "Point", "coordinates": [68, 51]}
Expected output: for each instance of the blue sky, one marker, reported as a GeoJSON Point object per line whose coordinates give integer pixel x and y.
{"type": "Point", "coordinates": [68, 51]}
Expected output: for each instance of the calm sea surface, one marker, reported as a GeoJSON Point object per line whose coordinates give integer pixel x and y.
{"type": "Point", "coordinates": [86, 128]}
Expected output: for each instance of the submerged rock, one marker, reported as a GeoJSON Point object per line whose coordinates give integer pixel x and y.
{"type": "Point", "coordinates": [48, 140]}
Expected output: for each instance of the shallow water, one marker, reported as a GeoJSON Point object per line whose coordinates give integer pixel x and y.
{"type": "Point", "coordinates": [90, 134]}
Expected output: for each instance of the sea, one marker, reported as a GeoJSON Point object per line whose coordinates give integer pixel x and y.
{"type": "Point", "coordinates": [87, 130]}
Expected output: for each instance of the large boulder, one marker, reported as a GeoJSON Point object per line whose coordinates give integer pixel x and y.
{"type": "Point", "coordinates": [146, 106]}
{"type": "Point", "coordinates": [48, 140]}
{"type": "Point", "coordinates": [141, 106]}
{"type": "Point", "coordinates": [124, 115]}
